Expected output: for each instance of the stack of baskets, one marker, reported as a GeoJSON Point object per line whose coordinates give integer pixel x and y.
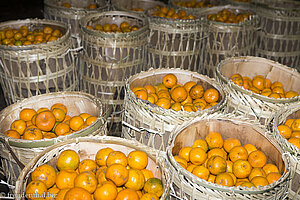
{"type": "Point", "coordinates": [109, 58]}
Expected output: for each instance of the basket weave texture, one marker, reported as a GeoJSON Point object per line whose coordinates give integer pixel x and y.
{"type": "Point", "coordinates": [152, 125]}
{"type": "Point", "coordinates": [188, 186]}
{"type": "Point", "coordinates": [25, 150]}
{"type": "Point", "coordinates": [245, 101]}
{"type": "Point", "coordinates": [31, 70]}
{"type": "Point", "coordinates": [128, 5]}
{"type": "Point", "coordinates": [87, 149]}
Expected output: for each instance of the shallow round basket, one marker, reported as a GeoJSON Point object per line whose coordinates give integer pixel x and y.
{"type": "Point", "coordinates": [245, 101]}
{"type": "Point", "coordinates": [175, 43]}
{"type": "Point", "coordinates": [151, 124]}
{"type": "Point", "coordinates": [279, 38]}
{"type": "Point", "coordinates": [227, 39]}
{"type": "Point", "coordinates": [188, 186]}
{"type": "Point", "coordinates": [54, 10]}
{"type": "Point", "coordinates": [109, 58]}
{"type": "Point", "coordinates": [290, 112]}
{"type": "Point", "coordinates": [25, 150]}
{"type": "Point", "coordinates": [128, 5]}
{"type": "Point", "coordinates": [87, 148]}
{"type": "Point", "coordinates": [31, 70]}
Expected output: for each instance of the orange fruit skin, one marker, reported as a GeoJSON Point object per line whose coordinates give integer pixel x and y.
{"type": "Point", "coordinates": [247, 184]}
{"type": "Point", "coordinates": [45, 120]}
{"type": "Point", "coordinates": [249, 148]}
{"type": "Point", "coordinates": [185, 153]}
{"type": "Point", "coordinates": [179, 94]}
{"type": "Point", "coordinates": [259, 181]}
{"type": "Point", "coordinates": [257, 159]}
{"type": "Point", "coordinates": [52, 193]}
{"type": "Point", "coordinates": [241, 168]}
{"type": "Point", "coordinates": [273, 176]}
{"type": "Point", "coordinates": [201, 172]}
{"type": "Point", "coordinates": [259, 83]}
{"type": "Point", "coordinates": [214, 140]}
{"type": "Point", "coordinates": [106, 192]}
{"type": "Point", "coordinates": [285, 131]}
{"type": "Point", "coordinates": [141, 94]}
{"type": "Point", "coordinates": [295, 141]}
{"type": "Point", "coordinates": [137, 160]}
{"type": "Point", "coordinates": [36, 190]}
{"type": "Point", "coordinates": [117, 173]}
{"type": "Point", "coordinates": [19, 126]}
{"type": "Point", "coordinates": [136, 180]}
{"type": "Point", "coordinates": [61, 106]}
{"type": "Point", "coordinates": [59, 114]}
{"type": "Point", "coordinates": [87, 165]}
{"type": "Point", "coordinates": [150, 89]}
{"type": "Point", "coordinates": [164, 103]}
{"type": "Point", "coordinates": [196, 92]}
{"type": "Point", "coordinates": [217, 152]}
{"type": "Point", "coordinates": [61, 194]}
{"type": "Point", "coordinates": [116, 157]}
{"type": "Point", "coordinates": [68, 159]}
{"type": "Point", "coordinates": [296, 125]}
{"type": "Point", "coordinates": [154, 185]}
{"type": "Point", "coordinates": [169, 80]}
{"type": "Point", "coordinates": [200, 143]}
{"type": "Point", "coordinates": [224, 179]}
{"type": "Point", "coordinates": [65, 178]}
{"type": "Point", "coordinates": [197, 156]}
{"type": "Point", "coordinates": [127, 194]}
{"type": "Point", "coordinates": [102, 155]}
{"type": "Point", "coordinates": [268, 168]}
{"type": "Point", "coordinates": [76, 122]}
{"type": "Point", "coordinates": [211, 95]}
{"type": "Point", "coordinates": [216, 165]}
{"type": "Point", "coordinates": [44, 173]}
{"type": "Point", "coordinates": [87, 181]}
{"type": "Point", "coordinates": [90, 120]}
{"type": "Point", "coordinates": [237, 79]}
{"type": "Point", "coordinates": [101, 175]}
{"type": "Point", "coordinates": [61, 129]}
{"type": "Point", "coordinates": [237, 153]}
{"type": "Point", "coordinates": [147, 174]}
{"type": "Point", "coordinates": [188, 85]}
{"type": "Point", "coordinates": [78, 193]}
{"type": "Point", "coordinates": [149, 196]}
{"type": "Point", "coordinates": [229, 143]}
{"type": "Point", "coordinates": [12, 133]}
{"type": "Point", "coordinates": [33, 134]}
{"type": "Point", "coordinates": [26, 114]}
{"type": "Point", "coordinates": [256, 171]}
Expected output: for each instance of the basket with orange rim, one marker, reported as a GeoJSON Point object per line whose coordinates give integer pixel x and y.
{"type": "Point", "coordinates": [286, 131]}
{"type": "Point", "coordinates": [103, 159]}
{"type": "Point", "coordinates": [48, 128]}
{"type": "Point", "coordinates": [269, 86]}
{"type": "Point", "coordinates": [158, 100]}
{"type": "Point", "coordinates": [36, 58]}
{"type": "Point", "coordinates": [140, 6]}
{"type": "Point", "coordinates": [213, 157]}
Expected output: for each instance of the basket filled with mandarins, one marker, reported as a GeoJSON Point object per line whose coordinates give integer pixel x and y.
{"type": "Point", "coordinates": [286, 129]}
{"type": "Point", "coordinates": [139, 6]}
{"type": "Point", "coordinates": [29, 126]}
{"type": "Point", "coordinates": [96, 168]}
{"type": "Point", "coordinates": [214, 157]}
{"type": "Point", "coordinates": [258, 87]}
{"type": "Point", "coordinates": [160, 99]}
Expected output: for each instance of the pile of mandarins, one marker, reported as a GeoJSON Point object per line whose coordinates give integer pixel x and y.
{"type": "Point", "coordinates": [227, 162]}
{"type": "Point", "coordinates": [138, 9]}
{"type": "Point", "coordinates": [171, 13]}
{"type": "Point", "coordinates": [170, 94]}
{"type": "Point", "coordinates": [68, 5]}
{"type": "Point", "coordinates": [290, 130]}
{"type": "Point", "coordinates": [111, 175]}
{"type": "Point", "coordinates": [45, 123]}
{"type": "Point", "coordinates": [263, 86]}
{"type": "Point", "coordinates": [114, 28]}
{"type": "Point", "coordinates": [24, 36]}
{"type": "Point", "coordinates": [193, 4]}
{"type": "Point", "coordinates": [226, 16]}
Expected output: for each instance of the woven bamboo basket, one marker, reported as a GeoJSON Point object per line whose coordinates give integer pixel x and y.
{"type": "Point", "coordinates": [175, 43]}
{"type": "Point", "coordinates": [188, 186]}
{"type": "Point", "coordinates": [290, 112]}
{"type": "Point", "coordinates": [54, 10]}
{"type": "Point", "coordinates": [279, 35]}
{"type": "Point", "coordinates": [25, 150]}
{"type": "Point", "coordinates": [240, 3]}
{"type": "Point", "coordinates": [109, 58]}
{"type": "Point", "coordinates": [31, 70]}
{"type": "Point", "coordinates": [227, 40]}
{"type": "Point", "coordinates": [245, 101]}
{"type": "Point", "coordinates": [125, 5]}
{"type": "Point", "coordinates": [87, 149]}
{"type": "Point", "coordinates": [152, 125]}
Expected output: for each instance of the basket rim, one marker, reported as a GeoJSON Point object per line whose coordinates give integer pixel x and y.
{"type": "Point", "coordinates": [115, 4]}
{"type": "Point", "coordinates": [169, 112]}
{"type": "Point", "coordinates": [84, 20]}
{"type": "Point", "coordinates": [51, 4]}
{"type": "Point", "coordinates": [288, 110]}
{"type": "Point", "coordinates": [242, 190]}
{"type": "Point", "coordinates": [65, 37]}
{"type": "Point", "coordinates": [100, 121]}
{"type": "Point", "coordinates": [155, 155]}
{"type": "Point", "coordinates": [231, 84]}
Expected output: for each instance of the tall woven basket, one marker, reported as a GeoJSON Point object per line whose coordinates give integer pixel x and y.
{"type": "Point", "coordinates": [290, 112]}
{"type": "Point", "coordinates": [152, 125]}
{"type": "Point", "coordinates": [109, 58]}
{"type": "Point", "coordinates": [25, 150]}
{"type": "Point", "coordinates": [188, 186]}
{"type": "Point", "coordinates": [279, 35]}
{"type": "Point", "coordinates": [132, 5]}
{"type": "Point", "coordinates": [227, 39]}
{"type": "Point", "coordinates": [87, 149]}
{"type": "Point", "coordinates": [54, 10]}
{"type": "Point", "coordinates": [31, 70]}
{"type": "Point", "coordinates": [175, 43]}
{"type": "Point", "coordinates": [245, 101]}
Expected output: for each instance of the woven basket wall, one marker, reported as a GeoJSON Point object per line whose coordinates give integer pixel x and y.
{"type": "Point", "coordinates": [87, 149]}
{"type": "Point", "coordinates": [109, 58]}
{"type": "Point", "coordinates": [152, 125]}
{"type": "Point", "coordinates": [128, 5]}
{"type": "Point", "coordinates": [279, 35]}
{"type": "Point", "coordinates": [175, 43]}
{"type": "Point", "coordinates": [54, 10]}
{"type": "Point", "coordinates": [188, 186]}
{"type": "Point", "coordinates": [290, 112]}
{"type": "Point", "coordinates": [245, 101]}
{"type": "Point", "coordinates": [25, 150]}
{"type": "Point", "coordinates": [227, 40]}
{"type": "Point", "coordinates": [31, 70]}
